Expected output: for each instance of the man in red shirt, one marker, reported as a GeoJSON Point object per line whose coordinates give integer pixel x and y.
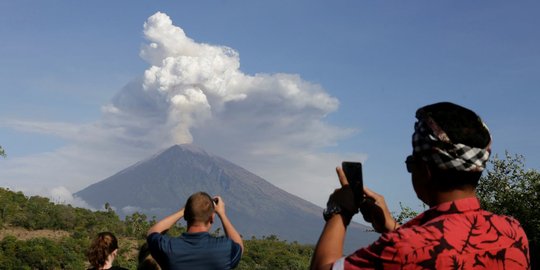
{"type": "Point", "coordinates": [451, 146]}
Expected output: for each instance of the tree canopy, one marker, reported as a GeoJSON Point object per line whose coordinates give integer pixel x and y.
{"type": "Point", "coordinates": [510, 189]}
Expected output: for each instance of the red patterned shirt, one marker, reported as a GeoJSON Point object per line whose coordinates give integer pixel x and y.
{"type": "Point", "coordinates": [452, 235]}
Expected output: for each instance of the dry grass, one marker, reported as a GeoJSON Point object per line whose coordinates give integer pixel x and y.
{"type": "Point", "coordinates": [24, 234]}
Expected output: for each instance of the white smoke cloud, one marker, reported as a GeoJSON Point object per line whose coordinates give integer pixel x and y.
{"type": "Point", "coordinates": [272, 124]}
{"type": "Point", "coordinates": [62, 195]}
{"type": "Point", "coordinates": [129, 210]}
{"type": "Point", "coordinates": [193, 85]}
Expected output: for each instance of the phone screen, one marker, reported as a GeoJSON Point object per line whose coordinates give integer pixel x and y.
{"type": "Point", "coordinates": [353, 172]}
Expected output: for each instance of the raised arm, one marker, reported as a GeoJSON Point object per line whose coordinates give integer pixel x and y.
{"type": "Point", "coordinates": [229, 229]}
{"type": "Point", "coordinates": [166, 223]}
{"type": "Point", "coordinates": [330, 245]}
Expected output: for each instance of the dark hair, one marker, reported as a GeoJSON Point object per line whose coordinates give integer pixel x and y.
{"type": "Point", "coordinates": [100, 249]}
{"type": "Point", "coordinates": [199, 208]}
{"type": "Point", "coordinates": [462, 126]}
{"type": "Point", "coordinates": [146, 261]}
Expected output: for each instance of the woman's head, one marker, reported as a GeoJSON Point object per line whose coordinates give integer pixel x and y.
{"type": "Point", "coordinates": [102, 247]}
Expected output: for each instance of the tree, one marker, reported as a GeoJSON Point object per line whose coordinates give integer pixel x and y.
{"type": "Point", "coordinates": [2, 152]}
{"type": "Point", "coordinates": [406, 213]}
{"type": "Point", "coordinates": [509, 189]}
{"type": "Point", "coordinates": [272, 253]}
{"type": "Point", "coordinates": [41, 253]}
{"type": "Point", "coordinates": [137, 225]}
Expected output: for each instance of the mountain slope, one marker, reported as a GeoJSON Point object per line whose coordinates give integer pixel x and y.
{"type": "Point", "coordinates": [160, 185]}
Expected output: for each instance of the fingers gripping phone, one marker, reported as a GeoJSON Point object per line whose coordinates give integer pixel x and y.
{"type": "Point", "coordinates": [353, 172]}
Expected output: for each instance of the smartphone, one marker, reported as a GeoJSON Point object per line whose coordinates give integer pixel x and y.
{"type": "Point", "coordinates": [353, 172]}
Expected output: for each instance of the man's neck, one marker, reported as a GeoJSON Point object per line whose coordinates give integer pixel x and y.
{"type": "Point", "coordinates": [197, 228]}
{"type": "Point", "coordinates": [452, 195]}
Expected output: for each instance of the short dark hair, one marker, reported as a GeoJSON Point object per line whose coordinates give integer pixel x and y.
{"type": "Point", "coordinates": [462, 126]}
{"type": "Point", "coordinates": [199, 208]}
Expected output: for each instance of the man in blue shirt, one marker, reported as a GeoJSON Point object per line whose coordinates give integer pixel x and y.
{"type": "Point", "coordinates": [196, 248]}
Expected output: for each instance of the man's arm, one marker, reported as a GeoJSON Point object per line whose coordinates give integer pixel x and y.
{"type": "Point", "coordinates": [229, 229]}
{"type": "Point", "coordinates": [330, 246]}
{"type": "Point", "coordinates": [166, 223]}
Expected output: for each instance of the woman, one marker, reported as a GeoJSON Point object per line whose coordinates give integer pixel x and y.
{"type": "Point", "coordinates": [103, 251]}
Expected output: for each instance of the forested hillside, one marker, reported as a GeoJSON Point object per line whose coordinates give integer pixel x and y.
{"type": "Point", "coordinates": [36, 233]}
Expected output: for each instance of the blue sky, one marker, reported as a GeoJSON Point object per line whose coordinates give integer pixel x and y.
{"type": "Point", "coordinates": [361, 69]}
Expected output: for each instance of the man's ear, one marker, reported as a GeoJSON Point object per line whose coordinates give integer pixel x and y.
{"type": "Point", "coordinates": [429, 175]}
{"type": "Point", "coordinates": [424, 171]}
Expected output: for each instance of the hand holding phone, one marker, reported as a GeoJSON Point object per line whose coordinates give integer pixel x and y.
{"type": "Point", "coordinates": [372, 205]}
{"type": "Point", "coordinates": [353, 172]}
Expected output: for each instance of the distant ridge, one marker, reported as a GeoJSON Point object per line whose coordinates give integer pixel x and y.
{"type": "Point", "coordinates": [161, 184]}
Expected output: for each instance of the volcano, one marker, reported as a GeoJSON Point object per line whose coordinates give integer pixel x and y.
{"type": "Point", "coordinates": [160, 185]}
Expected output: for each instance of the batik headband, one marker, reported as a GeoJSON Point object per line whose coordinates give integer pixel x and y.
{"type": "Point", "coordinates": [434, 146]}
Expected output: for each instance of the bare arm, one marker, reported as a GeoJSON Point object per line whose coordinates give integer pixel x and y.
{"type": "Point", "coordinates": [330, 246]}
{"type": "Point", "coordinates": [229, 229]}
{"type": "Point", "coordinates": [166, 223]}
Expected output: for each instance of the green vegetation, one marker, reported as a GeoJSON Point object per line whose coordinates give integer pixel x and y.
{"type": "Point", "coordinates": [34, 213]}
{"type": "Point", "coordinates": [2, 152]}
{"type": "Point", "coordinates": [38, 213]}
{"type": "Point", "coordinates": [509, 189]}
{"type": "Point", "coordinates": [80, 225]}
{"type": "Point", "coordinates": [272, 253]}
{"type": "Point", "coordinates": [42, 253]}
{"type": "Point", "coordinates": [406, 213]}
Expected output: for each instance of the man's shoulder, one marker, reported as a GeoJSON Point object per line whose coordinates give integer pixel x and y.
{"type": "Point", "coordinates": [484, 224]}
{"type": "Point", "coordinates": [504, 218]}
{"type": "Point", "coordinates": [155, 237]}
{"type": "Point", "coordinates": [506, 224]}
